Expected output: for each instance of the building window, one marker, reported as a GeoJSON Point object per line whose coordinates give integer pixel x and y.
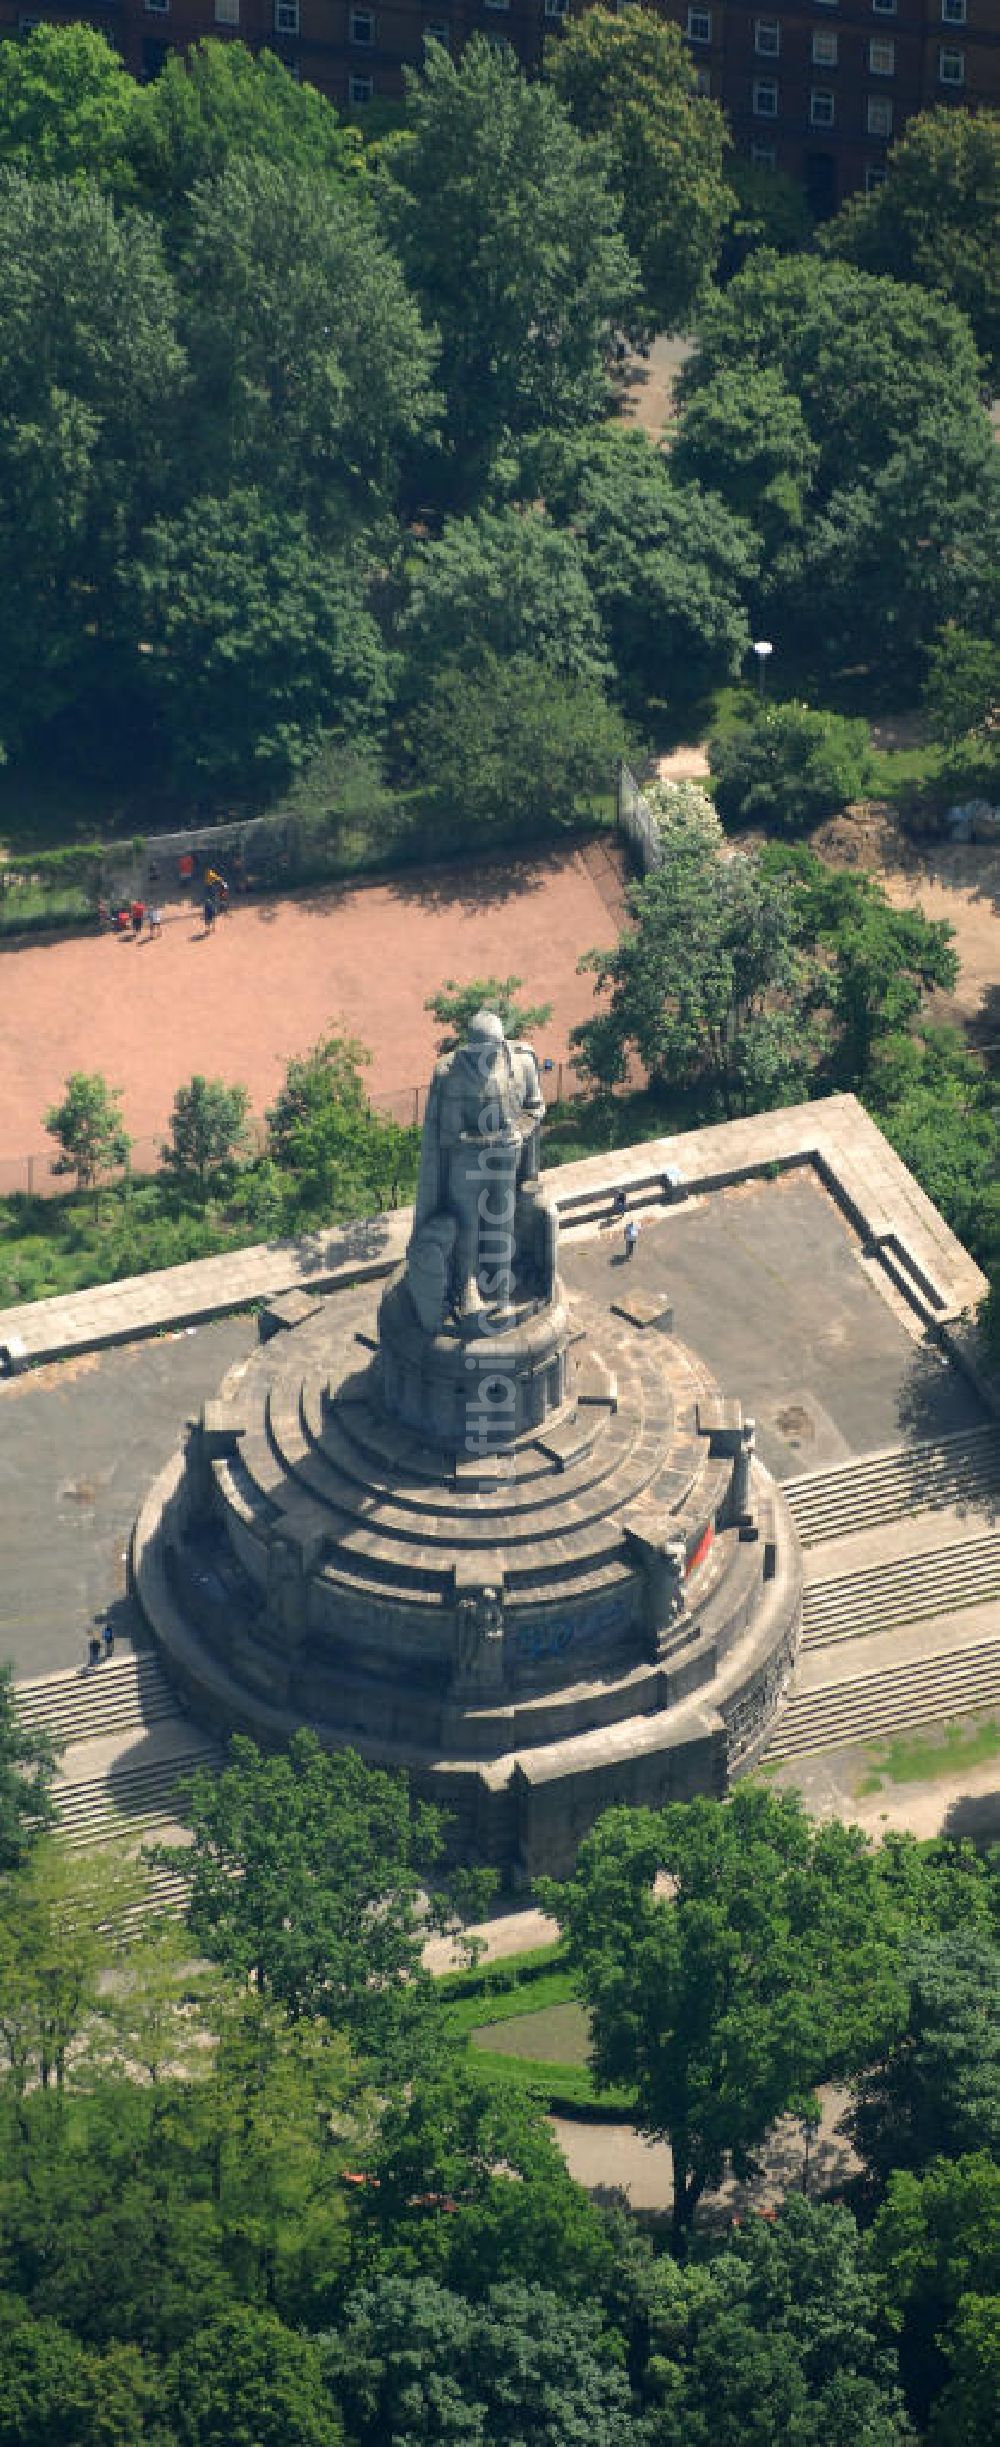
{"type": "Point", "coordinates": [883, 8]}
{"type": "Point", "coordinates": [699, 25]}
{"type": "Point", "coordinates": [951, 67]}
{"type": "Point", "coordinates": [953, 12]}
{"type": "Point", "coordinates": [879, 116]}
{"type": "Point", "coordinates": [825, 50]}
{"type": "Point", "coordinates": [362, 27]}
{"type": "Point", "coordinates": [227, 12]}
{"type": "Point", "coordinates": [441, 34]}
{"type": "Point", "coordinates": [157, 8]}
{"type": "Point", "coordinates": [703, 83]}
{"type": "Point", "coordinates": [767, 37]}
{"type": "Point", "coordinates": [822, 107]}
{"type": "Point", "coordinates": [360, 88]}
{"type": "Point", "coordinates": [765, 98]}
{"type": "Point", "coordinates": [882, 58]}
{"type": "Point", "coordinates": [874, 177]}
{"type": "Point", "coordinates": [286, 16]}
{"type": "Point", "coordinates": [556, 8]}
{"type": "Point", "coordinates": [496, 3]}
{"type": "Point", "coordinates": [764, 155]}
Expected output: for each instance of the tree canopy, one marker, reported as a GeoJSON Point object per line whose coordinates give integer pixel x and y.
{"type": "Point", "coordinates": [936, 218]}
{"type": "Point", "coordinates": [630, 80]}
{"type": "Point", "coordinates": [510, 239]}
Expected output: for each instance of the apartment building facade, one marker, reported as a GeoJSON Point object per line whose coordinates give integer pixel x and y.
{"type": "Point", "coordinates": [818, 88]}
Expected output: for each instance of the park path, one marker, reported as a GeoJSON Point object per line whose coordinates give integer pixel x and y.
{"type": "Point", "coordinates": [273, 976]}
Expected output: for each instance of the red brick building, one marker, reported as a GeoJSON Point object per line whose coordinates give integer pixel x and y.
{"type": "Point", "coordinates": [820, 88]}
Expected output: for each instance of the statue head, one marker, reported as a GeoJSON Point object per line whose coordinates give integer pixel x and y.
{"type": "Point", "coordinates": [485, 1029]}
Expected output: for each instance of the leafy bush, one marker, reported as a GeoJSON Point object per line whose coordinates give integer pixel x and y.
{"type": "Point", "coordinates": [788, 766]}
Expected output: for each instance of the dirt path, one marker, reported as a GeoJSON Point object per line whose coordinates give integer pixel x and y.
{"type": "Point", "coordinates": [958, 881]}
{"type": "Point", "coordinates": [274, 975]}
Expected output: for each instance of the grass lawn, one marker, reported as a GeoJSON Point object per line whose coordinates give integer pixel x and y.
{"type": "Point", "coordinates": [533, 2036]}
{"type": "Point", "coordinates": [919, 1758]}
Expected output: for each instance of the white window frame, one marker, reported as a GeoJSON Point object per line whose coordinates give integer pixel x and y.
{"type": "Point", "coordinates": [286, 16]}
{"type": "Point", "coordinates": [767, 37]}
{"type": "Point", "coordinates": [359, 17]}
{"type": "Point", "coordinates": [944, 76]}
{"type": "Point", "coordinates": [764, 155]}
{"type": "Point", "coordinates": [881, 57]}
{"type": "Point", "coordinates": [556, 9]}
{"type": "Point", "coordinates": [825, 48]}
{"type": "Point", "coordinates": [954, 12]}
{"type": "Point", "coordinates": [699, 25]}
{"type": "Point", "coordinates": [360, 89]}
{"type": "Point", "coordinates": [227, 12]}
{"type": "Point", "coordinates": [883, 8]}
{"type": "Point", "coordinates": [765, 97]}
{"type": "Point", "coordinates": [156, 8]}
{"type": "Point", "coordinates": [822, 107]}
{"type": "Point", "coordinates": [438, 33]}
{"type": "Point", "coordinates": [879, 116]}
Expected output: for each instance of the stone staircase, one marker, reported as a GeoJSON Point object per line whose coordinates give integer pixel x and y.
{"type": "Point", "coordinates": [87, 1707]}
{"type": "Point", "coordinates": [89, 1701]}
{"type": "Point", "coordinates": [837, 1713]}
{"type": "Point", "coordinates": [911, 1589]}
{"type": "Point", "coordinates": [942, 1674]}
{"type": "Point", "coordinates": [903, 1479]}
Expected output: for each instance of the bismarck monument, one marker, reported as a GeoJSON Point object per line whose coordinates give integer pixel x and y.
{"type": "Point", "coordinates": [523, 1548]}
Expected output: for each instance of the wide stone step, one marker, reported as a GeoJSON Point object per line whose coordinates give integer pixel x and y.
{"type": "Point", "coordinates": [906, 1590]}
{"type": "Point", "coordinates": [885, 1486]}
{"type": "Point", "coordinates": [836, 1714]}
{"type": "Point", "coordinates": [88, 1701]}
{"type": "Point", "coordinates": [101, 1806]}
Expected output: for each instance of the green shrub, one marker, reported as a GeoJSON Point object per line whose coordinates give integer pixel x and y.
{"type": "Point", "coordinates": [788, 766]}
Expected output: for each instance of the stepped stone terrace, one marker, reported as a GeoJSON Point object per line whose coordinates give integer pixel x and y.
{"type": "Point", "coordinates": [805, 1269]}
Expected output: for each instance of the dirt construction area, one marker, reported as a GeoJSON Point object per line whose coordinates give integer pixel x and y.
{"type": "Point", "coordinates": [273, 976]}
{"type": "Point", "coordinates": [959, 881]}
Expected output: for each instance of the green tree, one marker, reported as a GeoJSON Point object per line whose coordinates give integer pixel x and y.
{"type": "Point", "coordinates": [936, 2254]}
{"type": "Point", "coordinates": [631, 81]}
{"type": "Point", "coordinates": [669, 565]}
{"type": "Point", "coordinates": [938, 1104]}
{"type": "Point", "coordinates": [55, 2393]}
{"type": "Point", "coordinates": [789, 766]}
{"type": "Point", "coordinates": [771, 210]}
{"type": "Point", "coordinates": [306, 1876]}
{"type": "Point", "coordinates": [503, 584]}
{"type": "Point", "coordinates": [936, 2093]}
{"type": "Point", "coordinates": [876, 963]}
{"type": "Point", "coordinates": [962, 688]}
{"type": "Point", "coordinates": [887, 526]}
{"type": "Point", "coordinates": [510, 240]}
{"type": "Point", "coordinates": [936, 218]}
{"type": "Point", "coordinates": [454, 1006]}
{"type": "Point", "coordinates": [208, 1129]}
{"type": "Point", "coordinates": [516, 744]}
{"type": "Point", "coordinates": [27, 1766]}
{"type": "Point", "coordinates": [416, 2364]}
{"type": "Point", "coordinates": [257, 642]}
{"type": "Point", "coordinates": [776, 2337]}
{"type": "Point", "coordinates": [89, 1130]}
{"type": "Point", "coordinates": [338, 1155]}
{"type": "Point", "coordinates": [967, 2413]}
{"type": "Point", "coordinates": [707, 983]}
{"type": "Point", "coordinates": [248, 2378]}
{"type": "Point", "coordinates": [311, 367]}
{"type": "Point", "coordinates": [732, 1957]}
{"type": "Point", "coordinates": [61, 1922]}
{"type": "Point", "coordinates": [221, 103]}
{"type": "Point", "coordinates": [67, 105]}
{"type": "Point", "coordinates": [746, 432]}
{"type": "Point", "coordinates": [93, 384]}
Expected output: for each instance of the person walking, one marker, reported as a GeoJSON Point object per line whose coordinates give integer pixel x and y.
{"type": "Point", "coordinates": [617, 1215]}
{"type": "Point", "coordinates": [208, 912]}
{"type": "Point", "coordinates": [631, 1236]}
{"type": "Point", "coordinates": [108, 1637]}
{"type": "Point", "coordinates": [94, 1649]}
{"type": "Point", "coordinates": [154, 919]}
{"type": "Point", "coordinates": [138, 914]}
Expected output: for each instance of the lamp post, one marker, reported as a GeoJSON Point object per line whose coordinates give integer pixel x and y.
{"type": "Point", "coordinates": [762, 647]}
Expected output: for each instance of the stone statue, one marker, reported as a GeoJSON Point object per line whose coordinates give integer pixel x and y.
{"type": "Point", "coordinates": [479, 1151]}
{"type": "Point", "coordinates": [479, 1650]}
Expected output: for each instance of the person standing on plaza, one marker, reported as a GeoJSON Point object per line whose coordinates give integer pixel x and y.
{"type": "Point", "coordinates": [154, 919]}
{"type": "Point", "coordinates": [631, 1236]}
{"type": "Point", "coordinates": [208, 911]}
{"type": "Point", "coordinates": [138, 914]}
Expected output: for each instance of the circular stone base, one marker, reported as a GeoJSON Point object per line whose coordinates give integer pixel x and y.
{"type": "Point", "coordinates": [533, 1631]}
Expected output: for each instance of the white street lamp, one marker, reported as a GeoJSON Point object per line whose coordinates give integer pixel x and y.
{"type": "Point", "coordinates": [762, 647]}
